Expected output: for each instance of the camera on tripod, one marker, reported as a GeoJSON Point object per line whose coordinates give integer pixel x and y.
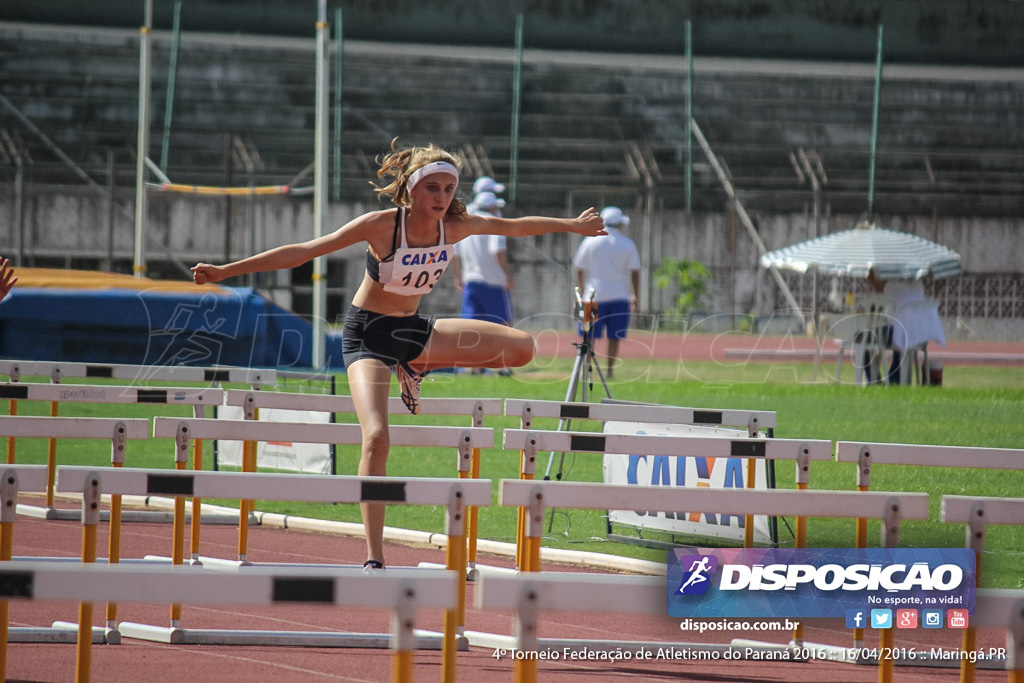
{"type": "Point", "coordinates": [585, 311]}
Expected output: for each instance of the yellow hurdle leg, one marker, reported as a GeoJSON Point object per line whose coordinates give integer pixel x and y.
{"type": "Point", "coordinates": [90, 522]}
{"type": "Point", "coordinates": [6, 544]}
{"type": "Point", "coordinates": [178, 542]}
{"type": "Point", "coordinates": [51, 461]}
{"type": "Point", "coordinates": [245, 506]}
{"type": "Point", "coordinates": [197, 465]}
{"type": "Point", "coordinates": [12, 409]}
{"type": "Point", "coordinates": [471, 512]}
{"type": "Point", "coordinates": [885, 664]}
{"type": "Point", "coordinates": [401, 667]}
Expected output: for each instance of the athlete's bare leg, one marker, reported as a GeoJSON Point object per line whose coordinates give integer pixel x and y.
{"type": "Point", "coordinates": [369, 382]}
{"type": "Point", "coordinates": [458, 342]}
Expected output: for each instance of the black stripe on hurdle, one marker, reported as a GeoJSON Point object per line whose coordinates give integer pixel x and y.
{"type": "Point", "coordinates": [13, 391]}
{"type": "Point", "coordinates": [170, 484]}
{"type": "Point", "coordinates": [585, 442]}
{"type": "Point", "coordinates": [151, 396]}
{"type": "Point", "coordinates": [568, 410]}
{"type": "Point", "coordinates": [303, 590]}
{"type": "Point", "coordinates": [99, 371]}
{"type": "Point", "coordinates": [707, 417]}
{"type": "Point", "coordinates": [16, 584]}
{"type": "Point", "coordinates": [753, 449]}
{"type": "Point", "coordinates": [383, 491]}
{"type": "Point", "coordinates": [217, 375]}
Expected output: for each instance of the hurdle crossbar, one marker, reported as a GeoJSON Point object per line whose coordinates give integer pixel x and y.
{"type": "Point", "coordinates": [72, 427]}
{"type": "Point", "coordinates": [305, 432]}
{"type": "Point", "coordinates": [587, 496]}
{"type": "Point", "coordinates": [658, 444]}
{"type": "Point", "coordinates": [527, 409]}
{"type": "Point", "coordinates": [150, 373]}
{"type": "Point", "coordinates": [929, 455]}
{"type": "Point", "coordinates": [330, 403]}
{"type": "Point", "coordinates": [14, 369]}
{"type": "Point", "coordinates": [263, 486]}
{"type": "Point", "coordinates": [104, 393]}
{"type": "Point", "coordinates": [403, 591]}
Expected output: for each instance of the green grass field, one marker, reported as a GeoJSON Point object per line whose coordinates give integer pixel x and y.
{"type": "Point", "coordinates": [977, 406]}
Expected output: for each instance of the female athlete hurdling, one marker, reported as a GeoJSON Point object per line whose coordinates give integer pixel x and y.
{"type": "Point", "coordinates": [408, 249]}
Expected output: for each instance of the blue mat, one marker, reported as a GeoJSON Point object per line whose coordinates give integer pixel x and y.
{"type": "Point", "coordinates": [238, 328]}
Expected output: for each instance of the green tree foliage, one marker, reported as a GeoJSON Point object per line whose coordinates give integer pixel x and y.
{"type": "Point", "coordinates": [691, 280]}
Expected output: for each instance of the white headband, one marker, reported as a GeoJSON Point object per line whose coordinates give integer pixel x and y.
{"type": "Point", "coordinates": [430, 169]}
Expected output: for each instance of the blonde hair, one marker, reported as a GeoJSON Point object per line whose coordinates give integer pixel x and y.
{"type": "Point", "coordinates": [399, 164]}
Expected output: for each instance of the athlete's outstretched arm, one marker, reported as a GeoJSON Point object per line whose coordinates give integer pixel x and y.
{"type": "Point", "coordinates": [290, 255]}
{"type": "Point", "coordinates": [587, 223]}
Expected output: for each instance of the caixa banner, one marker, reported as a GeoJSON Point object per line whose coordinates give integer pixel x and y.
{"type": "Point", "coordinates": [817, 582]}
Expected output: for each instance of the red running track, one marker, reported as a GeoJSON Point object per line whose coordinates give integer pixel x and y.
{"type": "Point", "coordinates": [730, 347]}
{"type": "Point", "coordinates": [136, 661]}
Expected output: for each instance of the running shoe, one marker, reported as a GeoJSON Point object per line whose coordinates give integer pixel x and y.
{"type": "Point", "coordinates": [373, 567]}
{"type": "Point", "coordinates": [409, 380]}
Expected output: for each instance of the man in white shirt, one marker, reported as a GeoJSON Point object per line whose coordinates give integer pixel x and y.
{"type": "Point", "coordinates": [608, 272]}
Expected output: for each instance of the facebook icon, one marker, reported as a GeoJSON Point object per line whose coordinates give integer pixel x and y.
{"type": "Point", "coordinates": [855, 618]}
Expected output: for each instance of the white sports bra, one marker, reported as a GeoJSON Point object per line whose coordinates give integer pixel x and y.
{"type": "Point", "coordinates": [412, 271]}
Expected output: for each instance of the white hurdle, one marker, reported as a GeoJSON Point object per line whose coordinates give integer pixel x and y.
{"type": "Point", "coordinates": [56, 394]}
{"type": "Point", "coordinates": [474, 408]}
{"type": "Point", "coordinates": [535, 496]}
{"type": "Point", "coordinates": [977, 513]}
{"type": "Point", "coordinates": [118, 431]}
{"type": "Point", "coordinates": [402, 591]}
{"type": "Point", "coordinates": [529, 409]}
{"type": "Point", "coordinates": [867, 454]}
{"type": "Point", "coordinates": [141, 373]}
{"type": "Point", "coordinates": [34, 478]}
{"type": "Point", "coordinates": [465, 439]}
{"type": "Point", "coordinates": [456, 494]}
{"type": "Point", "coordinates": [15, 478]}
{"type": "Point", "coordinates": [530, 442]}
{"type": "Point", "coordinates": [1002, 607]}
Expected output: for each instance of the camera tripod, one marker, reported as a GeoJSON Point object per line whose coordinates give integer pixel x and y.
{"type": "Point", "coordinates": [582, 379]}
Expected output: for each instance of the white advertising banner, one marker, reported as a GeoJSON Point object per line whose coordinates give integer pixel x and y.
{"type": "Point", "coordinates": [313, 458]}
{"type": "Point", "coordinates": [692, 472]}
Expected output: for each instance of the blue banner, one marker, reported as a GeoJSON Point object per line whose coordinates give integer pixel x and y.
{"type": "Point", "coordinates": [858, 584]}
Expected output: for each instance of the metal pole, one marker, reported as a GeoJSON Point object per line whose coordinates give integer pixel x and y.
{"type": "Point", "coordinates": [110, 211]}
{"type": "Point", "coordinates": [874, 124]}
{"type": "Point", "coordinates": [142, 144]}
{"type": "Point", "coordinates": [172, 72]}
{"type": "Point", "coordinates": [517, 91]}
{"type": "Point", "coordinates": [338, 43]}
{"type": "Point", "coordinates": [323, 32]}
{"type": "Point", "coordinates": [689, 116]}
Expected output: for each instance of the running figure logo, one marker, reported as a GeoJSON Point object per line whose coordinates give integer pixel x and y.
{"type": "Point", "coordinates": [697, 578]}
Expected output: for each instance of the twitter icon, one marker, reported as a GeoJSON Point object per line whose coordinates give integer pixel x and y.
{"type": "Point", "coordinates": [881, 618]}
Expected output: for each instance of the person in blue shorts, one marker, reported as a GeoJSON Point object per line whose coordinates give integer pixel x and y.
{"type": "Point", "coordinates": [608, 273]}
{"type": "Point", "coordinates": [408, 249]}
{"type": "Point", "coordinates": [482, 270]}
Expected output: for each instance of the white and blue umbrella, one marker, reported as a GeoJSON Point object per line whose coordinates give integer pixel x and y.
{"type": "Point", "coordinates": [894, 255]}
